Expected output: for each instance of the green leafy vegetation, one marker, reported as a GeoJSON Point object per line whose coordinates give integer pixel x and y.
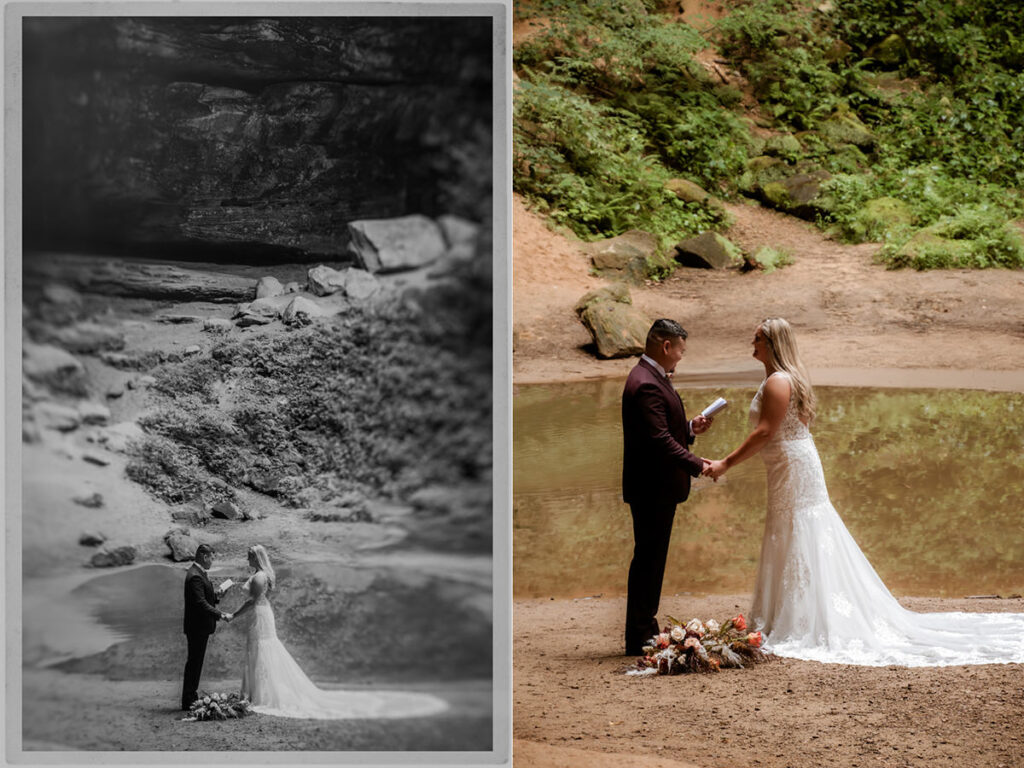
{"type": "Point", "coordinates": [914, 106]}
{"type": "Point", "coordinates": [377, 402]}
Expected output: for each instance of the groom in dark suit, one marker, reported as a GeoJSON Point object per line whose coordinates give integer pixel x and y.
{"type": "Point", "coordinates": [200, 620]}
{"type": "Point", "coordinates": [656, 470]}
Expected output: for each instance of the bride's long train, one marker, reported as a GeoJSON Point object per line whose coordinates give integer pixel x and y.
{"type": "Point", "coordinates": [276, 685]}
{"type": "Point", "coordinates": [817, 596]}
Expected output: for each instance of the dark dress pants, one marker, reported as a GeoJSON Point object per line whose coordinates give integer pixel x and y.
{"type": "Point", "coordinates": [193, 667]}
{"type": "Point", "coordinates": [652, 527]}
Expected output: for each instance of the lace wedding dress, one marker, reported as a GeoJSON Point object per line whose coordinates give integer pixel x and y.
{"type": "Point", "coordinates": [818, 598]}
{"type": "Point", "coordinates": [276, 685]}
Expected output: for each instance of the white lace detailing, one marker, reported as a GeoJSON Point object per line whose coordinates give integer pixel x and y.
{"type": "Point", "coordinates": [818, 598]}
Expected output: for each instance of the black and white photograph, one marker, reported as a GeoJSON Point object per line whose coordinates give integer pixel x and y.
{"type": "Point", "coordinates": [258, 499]}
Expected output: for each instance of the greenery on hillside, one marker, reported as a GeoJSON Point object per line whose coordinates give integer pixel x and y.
{"type": "Point", "coordinates": [908, 111]}
{"type": "Point", "coordinates": [375, 404]}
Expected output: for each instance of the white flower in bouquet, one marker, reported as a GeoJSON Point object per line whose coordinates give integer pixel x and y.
{"type": "Point", "coordinates": [206, 700]}
{"type": "Point", "coordinates": [713, 626]}
{"type": "Point", "coordinates": [695, 625]}
{"type": "Point", "coordinates": [678, 634]}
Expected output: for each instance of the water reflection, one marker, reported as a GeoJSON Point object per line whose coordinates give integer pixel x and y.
{"type": "Point", "coordinates": [930, 483]}
{"type": "Point", "coordinates": [340, 623]}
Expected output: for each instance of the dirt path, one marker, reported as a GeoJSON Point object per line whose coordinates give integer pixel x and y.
{"type": "Point", "coordinates": [849, 312]}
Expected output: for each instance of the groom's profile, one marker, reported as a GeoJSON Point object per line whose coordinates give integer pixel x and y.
{"type": "Point", "coordinates": [656, 470]}
{"type": "Point", "coordinates": [200, 620]}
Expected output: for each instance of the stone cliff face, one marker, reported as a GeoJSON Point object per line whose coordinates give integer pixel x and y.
{"type": "Point", "coordinates": [250, 138]}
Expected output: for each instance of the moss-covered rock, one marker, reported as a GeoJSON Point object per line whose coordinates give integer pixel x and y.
{"type": "Point", "coordinates": [785, 146]}
{"type": "Point", "coordinates": [689, 192]}
{"type": "Point", "coordinates": [800, 195]}
{"type": "Point", "coordinates": [847, 158]}
{"type": "Point", "coordinates": [708, 250]}
{"type": "Point", "coordinates": [616, 292]}
{"type": "Point", "coordinates": [891, 52]}
{"type": "Point", "coordinates": [762, 170]}
{"type": "Point", "coordinates": [844, 127]}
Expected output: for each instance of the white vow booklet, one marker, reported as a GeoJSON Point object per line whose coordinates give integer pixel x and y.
{"type": "Point", "coordinates": [225, 584]}
{"type": "Point", "coordinates": [715, 407]}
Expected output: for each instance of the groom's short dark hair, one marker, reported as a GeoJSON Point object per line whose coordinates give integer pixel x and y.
{"type": "Point", "coordinates": [203, 549]}
{"type": "Point", "coordinates": [664, 329]}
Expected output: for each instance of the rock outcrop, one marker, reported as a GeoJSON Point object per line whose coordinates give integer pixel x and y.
{"type": "Point", "coordinates": [250, 138]}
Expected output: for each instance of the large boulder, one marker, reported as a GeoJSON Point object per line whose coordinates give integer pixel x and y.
{"type": "Point", "coordinates": [844, 127]}
{"type": "Point", "coordinates": [689, 192]}
{"type": "Point", "coordinates": [800, 195]}
{"type": "Point", "coordinates": [52, 366]}
{"type": "Point", "coordinates": [619, 330]}
{"type": "Point", "coordinates": [393, 245]}
{"type": "Point", "coordinates": [630, 256]}
{"type": "Point", "coordinates": [360, 284]}
{"type": "Point", "coordinates": [302, 310]}
{"type": "Point", "coordinates": [616, 292]}
{"type": "Point", "coordinates": [182, 545]}
{"type": "Point", "coordinates": [708, 250]}
{"type": "Point", "coordinates": [114, 557]}
{"type": "Point", "coordinates": [268, 286]}
{"type": "Point", "coordinates": [92, 538]}
{"type": "Point", "coordinates": [323, 281]}
{"type": "Point", "coordinates": [226, 510]}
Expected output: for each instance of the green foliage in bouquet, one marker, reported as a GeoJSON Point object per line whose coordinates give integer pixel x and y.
{"type": "Point", "coordinates": [701, 646]}
{"type": "Point", "coordinates": [219, 706]}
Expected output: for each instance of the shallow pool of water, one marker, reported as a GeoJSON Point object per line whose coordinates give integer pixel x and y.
{"type": "Point", "coordinates": [930, 484]}
{"type": "Point", "coordinates": [352, 625]}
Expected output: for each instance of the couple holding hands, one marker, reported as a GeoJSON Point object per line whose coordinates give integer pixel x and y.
{"type": "Point", "coordinates": [816, 596]}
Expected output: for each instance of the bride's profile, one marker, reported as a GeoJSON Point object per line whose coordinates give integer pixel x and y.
{"type": "Point", "coordinates": [817, 596]}
{"type": "Point", "coordinates": [276, 685]}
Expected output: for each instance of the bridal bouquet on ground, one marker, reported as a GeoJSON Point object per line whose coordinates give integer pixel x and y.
{"type": "Point", "coordinates": [219, 706]}
{"type": "Point", "coordinates": [700, 646]}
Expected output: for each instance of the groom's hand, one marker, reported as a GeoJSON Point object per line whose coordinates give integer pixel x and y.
{"type": "Point", "coordinates": [701, 424]}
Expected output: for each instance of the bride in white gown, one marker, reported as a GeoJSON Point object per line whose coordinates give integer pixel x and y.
{"type": "Point", "coordinates": [276, 685]}
{"type": "Point", "coordinates": [817, 597]}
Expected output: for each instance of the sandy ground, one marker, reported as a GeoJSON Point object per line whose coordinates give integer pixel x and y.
{"type": "Point", "coordinates": [574, 706]}
{"type": "Point", "coordinates": [858, 324]}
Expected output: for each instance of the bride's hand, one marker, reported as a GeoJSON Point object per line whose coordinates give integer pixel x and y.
{"type": "Point", "coordinates": [714, 469]}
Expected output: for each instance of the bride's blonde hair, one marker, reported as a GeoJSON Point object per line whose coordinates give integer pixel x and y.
{"type": "Point", "coordinates": [263, 564]}
{"type": "Point", "coordinates": [785, 357]}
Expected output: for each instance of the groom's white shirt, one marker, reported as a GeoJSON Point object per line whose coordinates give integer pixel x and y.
{"type": "Point", "coordinates": [205, 572]}
{"type": "Point", "coordinates": [655, 364]}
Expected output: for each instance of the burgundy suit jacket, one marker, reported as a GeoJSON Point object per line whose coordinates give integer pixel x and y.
{"type": "Point", "coordinates": [657, 463]}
